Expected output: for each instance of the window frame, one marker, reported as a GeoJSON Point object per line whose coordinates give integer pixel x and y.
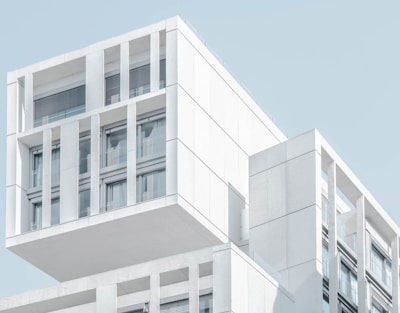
{"type": "Point", "coordinates": [109, 129]}
{"type": "Point", "coordinates": [33, 205]}
{"type": "Point", "coordinates": [144, 119]}
{"type": "Point", "coordinates": [352, 275]}
{"type": "Point", "coordinates": [107, 76]}
{"type": "Point", "coordinates": [35, 151]}
{"type": "Point", "coordinates": [386, 260]}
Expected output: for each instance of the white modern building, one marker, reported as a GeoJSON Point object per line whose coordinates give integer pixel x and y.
{"type": "Point", "coordinates": [144, 178]}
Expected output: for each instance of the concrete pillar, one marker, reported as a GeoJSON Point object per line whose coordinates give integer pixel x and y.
{"type": "Point", "coordinates": [46, 182]}
{"type": "Point", "coordinates": [28, 101]}
{"type": "Point", "coordinates": [69, 171]}
{"type": "Point", "coordinates": [222, 280]}
{"type": "Point", "coordinates": [155, 293]}
{"type": "Point", "coordinates": [106, 299]}
{"type": "Point", "coordinates": [155, 61]}
{"type": "Point", "coordinates": [95, 164]}
{"type": "Point", "coordinates": [333, 254]}
{"type": "Point", "coordinates": [171, 57]}
{"type": "Point", "coordinates": [395, 274]}
{"type": "Point", "coordinates": [361, 280]}
{"type": "Point", "coordinates": [194, 288]}
{"type": "Point", "coordinates": [131, 153]}
{"type": "Point", "coordinates": [12, 108]}
{"type": "Point", "coordinates": [95, 80]}
{"type": "Point", "coordinates": [124, 75]}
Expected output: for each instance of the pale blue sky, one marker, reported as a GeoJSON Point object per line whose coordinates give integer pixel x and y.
{"type": "Point", "coordinates": [330, 65]}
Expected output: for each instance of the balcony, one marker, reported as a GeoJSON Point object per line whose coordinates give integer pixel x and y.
{"type": "Point", "coordinates": [59, 106]}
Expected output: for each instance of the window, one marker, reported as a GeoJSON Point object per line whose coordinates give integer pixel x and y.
{"type": "Point", "coordinates": [139, 81]}
{"type": "Point", "coordinates": [112, 89]}
{"type": "Point", "coordinates": [325, 261]}
{"type": "Point", "coordinates": [36, 216]}
{"type": "Point", "coordinates": [115, 145]}
{"type": "Point", "coordinates": [381, 267]}
{"type": "Point", "coordinates": [84, 155]}
{"type": "Point", "coordinates": [325, 304]}
{"type": "Point", "coordinates": [115, 195]}
{"type": "Point", "coordinates": [163, 82]}
{"type": "Point", "coordinates": [150, 185]}
{"type": "Point", "coordinates": [60, 105]}
{"type": "Point", "coordinates": [37, 168]}
{"type": "Point", "coordinates": [55, 211]}
{"type": "Point", "coordinates": [348, 283]}
{"type": "Point", "coordinates": [205, 304]}
{"type": "Point", "coordinates": [55, 165]}
{"type": "Point", "coordinates": [325, 212]}
{"type": "Point", "coordinates": [150, 138]}
{"type": "Point", "coordinates": [377, 308]}
{"type": "Point", "coordinates": [84, 203]}
{"type": "Point", "coordinates": [181, 306]}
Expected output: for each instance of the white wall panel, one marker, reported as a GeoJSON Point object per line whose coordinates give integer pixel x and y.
{"type": "Point", "coordinates": [202, 81]}
{"type": "Point", "coordinates": [218, 202]}
{"type": "Point", "coordinates": [245, 140]}
{"type": "Point", "coordinates": [186, 119]}
{"type": "Point", "coordinates": [202, 125]}
{"type": "Point", "coordinates": [185, 173]}
{"type": "Point", "coordinates": [218, 99]}
{"type": "Point", "coordinates": [201, 188]}
{"type": "Point", "coordinates": [185, 64]}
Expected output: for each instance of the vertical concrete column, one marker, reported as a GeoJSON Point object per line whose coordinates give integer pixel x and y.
{"type": "Point", "coordinates": [124, 75]}
{"type": "Point", "coordinates": [95, 80]}
{"type": "Point", "coordinates": [333, 254]}
{"type": "Point", "coordinates": [131, 153]}
{"type": "Point", "coordinates": [155, 293]}
{"type": "Point", "coordinates": [95, 164]}
{"type": "Point", "coordinates": [12, 161]}
{"type": "Point", "coordinates": [361, 280]}
{"type": "Point", "coordinates": [194, 288]}
{"type": "Point", "coordinates": [46, 182]}
{"type": "Point", "coordinates": [155, 61]}
{"type": "Point", "coordinates": [28, 101]}
{"type": "Point", "coordinates": [171, 57]}
{"type": "Point", "coordinates": [69, 171]}
{"type": "Point", "coordinates": [106, 299]}
{"type": "Point", "coordinates": [12, 108]}
{"type": "Point", "coordinates": [222, 279]}
{"type": "Point", "coordinates": [171, 170]}
{"type": "Point", "coordinates": [395, 274]}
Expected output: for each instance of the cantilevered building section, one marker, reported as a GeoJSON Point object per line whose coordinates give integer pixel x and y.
{"type": "Point", "coordinates": [144, 178]}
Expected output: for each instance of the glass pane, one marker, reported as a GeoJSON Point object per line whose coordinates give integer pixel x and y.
{"type": "Point", "coordinates": [36, 216]}
{"type": "Point", "coordinates": [55, 211]}
{"type": "Point", "coordinates": [84, 156]}
{"type": "Point", "coordinates": [163, 82]}
{"type": "Point", "coordinates": [175, 307]}
{"type": "Point", "coordinates": [55, 166]}
{"type": "Point", "coordinates": [116, 195]}
{"type": "Point", "coordinates": [139, 80]}
{"type": "Point", "coordinates": [37, 170]}
{"type": "Point", "coordinates": [60, 105]}
{"type": "Point", "coordinates": [150, 185]}
{"type": "Point", "coordinates": [84, 203]}
{"type": "Point", "coordinates": [116, 147]}
{"type": "Point", "coordinates": [205, 304]}
{"type": "Point", "coordinates": [150, 139]}
{"type": "Point", "coordinates": [112, 89]}
{"type": "Point", "coordinates": [325, 213]}
{"type": "Point", "coordinates": [325, 306]}
{"type": "Point", "coordinates": [325, 261]}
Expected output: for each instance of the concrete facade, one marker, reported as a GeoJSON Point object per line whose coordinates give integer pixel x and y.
{"type": "Point", "coordinates": [144, 178]}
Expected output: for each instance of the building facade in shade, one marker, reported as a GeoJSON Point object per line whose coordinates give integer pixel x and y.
{"type": "Point", "coordinates": [144, 178]}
